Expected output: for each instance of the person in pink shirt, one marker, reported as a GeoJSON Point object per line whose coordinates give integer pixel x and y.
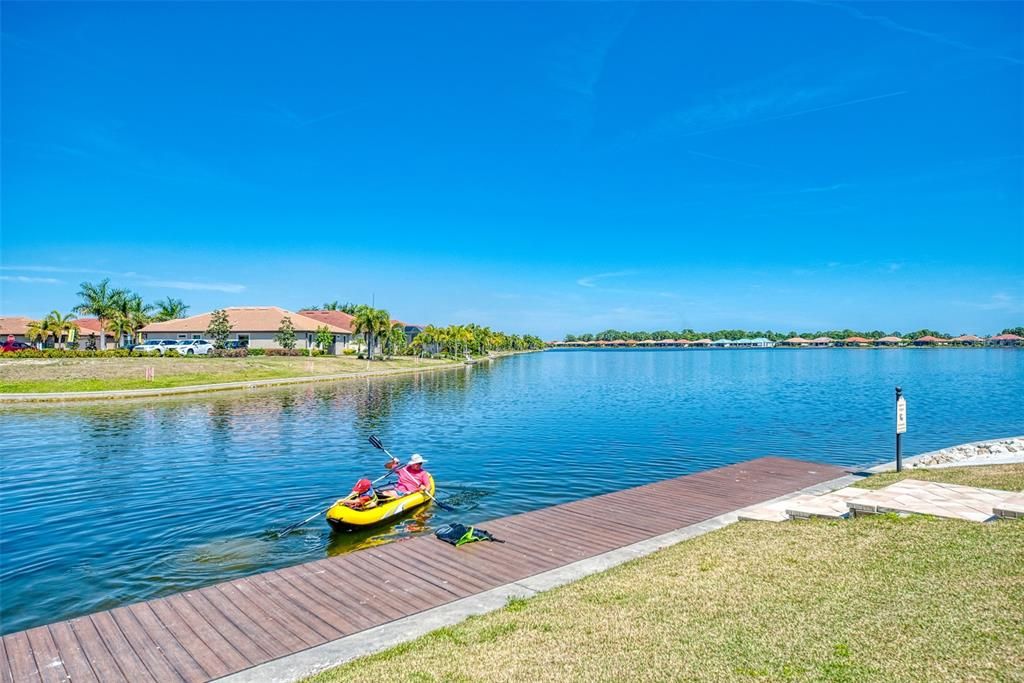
{"type": "Point", "coordinates": [411, 478]}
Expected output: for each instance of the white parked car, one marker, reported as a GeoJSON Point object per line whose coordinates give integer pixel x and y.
{"type": "Point", "coordinates": [193, 347]}
{"type": "Point", "coordinates": [151, 345]}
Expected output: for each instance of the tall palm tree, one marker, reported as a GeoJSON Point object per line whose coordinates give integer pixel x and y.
{"type": "Point", "coordinates": [170, 309]}
{"type": "Point", "coordinates": [130, 315]}
{"type": "Point", "coordinates": [373, 323]}
{"type": "Point", "coordinates": [394, 338]}
{"type": "Point", "coordinates": [62, 326]}
{"type": "Point", "coordinates": [39, 331]}
{"type": "Point", "coordinates": [98, 300]}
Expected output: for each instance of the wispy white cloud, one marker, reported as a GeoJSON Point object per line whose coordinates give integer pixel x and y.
{"type": "Point", "coordinates": [798, 90]}
{"type": "Point", "coordinates": [801, 112]}
{"type": "Point", "coordinates": [229, 287]}
{"type": "Point", "coordinates": [31, 280]}
{"type": "Point", "coordinates": [592, 280]}
{"type": "Point", "coordinates": [137, 279]}
{"type": "Point", "coordinates": [892, 25]}
{"type": "Point", "coordinates": [576, 62]}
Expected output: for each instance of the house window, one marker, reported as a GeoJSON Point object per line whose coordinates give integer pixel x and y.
{"type": "Point", "coordinates": [182, 336]}
{"type": "Point", "coordinates": [243, 340]}
{"type": "Point", "coordinates": [197, 336]}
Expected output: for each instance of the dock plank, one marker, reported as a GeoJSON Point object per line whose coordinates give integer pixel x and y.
{"type": "Point", "coordinates": [6, 675]}
{"type": "Point", "coordinates": [224, 628]}
{"type": "Point", "coordinates": [48, 659]}
{"type": "Point", "coordinates": [148, 651]}
{"type": "Point", "coordinates": [75, 661]}
{"type": "Point", "coordinates": [233, 646]}
{"type": "Point", "coordinates": [165, 641]}
{"type": "Point", "coordinates": [120, 649]}
{"type": "Point", "coordinates": [19, 655]}
{"type": "Point", "coordinates": [193, 639]}
{"type": "Point", "coordinates": [96, 652]}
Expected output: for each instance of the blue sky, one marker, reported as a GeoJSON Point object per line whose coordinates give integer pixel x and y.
{"type": "Point", "coordinates": [541, 167]}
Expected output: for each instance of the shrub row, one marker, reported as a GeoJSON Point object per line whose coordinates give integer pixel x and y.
{"type": "Point", "coordinates": [70, 353]}
{"type": "Point", "coordinates": [290, 352]}
{"type": "Point", "coordinates": [230, 353]}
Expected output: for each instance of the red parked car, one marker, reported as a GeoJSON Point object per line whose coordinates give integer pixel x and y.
{"type": "Point", "coordinates": [11, 345]}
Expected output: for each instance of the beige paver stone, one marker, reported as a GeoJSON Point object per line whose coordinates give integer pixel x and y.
{"type": "Point", "coordinates": [774, 511]}
{"type": "Point", "coordinates": [932, 498]}
{"type": "Point", "coordinates": [831, 505]}
{"type": "Point", "coordinates": [1011, 508]}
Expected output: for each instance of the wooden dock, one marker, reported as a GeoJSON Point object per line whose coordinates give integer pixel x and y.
{"type": "Point", "coordinates": [228, 627]}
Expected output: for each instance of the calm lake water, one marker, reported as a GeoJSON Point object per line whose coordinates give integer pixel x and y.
{"type": "Point", "coordinates": [105, 504]}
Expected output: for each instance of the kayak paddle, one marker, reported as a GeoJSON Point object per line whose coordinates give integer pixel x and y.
{"type": "Point", "coordinates": [377, 444]}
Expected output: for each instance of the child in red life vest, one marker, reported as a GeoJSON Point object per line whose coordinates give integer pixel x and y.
{"type": "Point", "coordinates": [363, 497]}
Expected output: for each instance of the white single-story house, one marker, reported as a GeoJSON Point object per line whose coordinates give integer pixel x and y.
{"type": "Point", "coordinates": [254, 327]}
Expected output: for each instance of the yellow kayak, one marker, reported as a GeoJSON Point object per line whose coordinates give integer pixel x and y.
{"type": "Point", "coordinates": [343, 518]}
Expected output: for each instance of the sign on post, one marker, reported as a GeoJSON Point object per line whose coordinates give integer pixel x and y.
{"type": "Point", "coordinates": [901, 415]}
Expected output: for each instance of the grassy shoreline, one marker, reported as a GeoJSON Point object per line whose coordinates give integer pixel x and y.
{"type": "Point", "coordinates": [60, 375]}
{"type": "Point", "coordinates": [881, 598]}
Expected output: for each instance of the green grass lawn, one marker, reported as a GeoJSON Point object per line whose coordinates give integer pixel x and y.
{"type": "Point", "coordinates": [101, 374]}
{"type": "Point", "coordinates": [1008, 477]}
{"type": "Point", "coordinates": [880, 598]}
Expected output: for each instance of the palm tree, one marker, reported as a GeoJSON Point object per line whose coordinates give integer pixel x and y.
{"type": "Point", "coordinates": [99, 300]}
{"type": "Point", "coordinates": [394, 338]}
{"type": "Point", "coordinates": [429, 336]}
{"type": "Point", "coordinates": [131, 316]}
{"type": "Point", "coordinates": [39, 331]}
{"type": "Point", "coordinates": [372, 323]}
{"type": "Point", "coordinates": [61, 325]}
{"type": "Point", "coordinates": [170, 309]}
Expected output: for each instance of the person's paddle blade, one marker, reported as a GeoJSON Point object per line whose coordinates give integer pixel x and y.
{"type": "Point", "coordinates": [293, 527]}
{"type": "Point", "coordinates": [376, 442]}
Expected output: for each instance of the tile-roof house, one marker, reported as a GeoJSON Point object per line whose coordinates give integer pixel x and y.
{"type": "Point", "coordinates": [1005, 340]}
{"type": "Point", "coordinates": [339, 319]}
{"type": "Point", "coordinates": [14, 326]}
{"type": "Point", "coordinates": [88, 334]}
{"type": "Point", "coordinates": [930, 340]}
{"type": "Point", "coordinates": [253, 326]}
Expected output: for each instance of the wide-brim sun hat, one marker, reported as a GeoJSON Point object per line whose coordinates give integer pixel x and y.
{"type": "Point", "coordinates": [416, 459]}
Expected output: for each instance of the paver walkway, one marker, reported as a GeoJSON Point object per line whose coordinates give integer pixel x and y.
{"type": "Point", "coordinates": [933, 498]}
{"type": "Point", "coordinates": [215, 631]}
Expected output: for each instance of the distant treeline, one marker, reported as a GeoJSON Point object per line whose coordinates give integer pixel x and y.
{"type": "Point", "coordinates": [692, 335]}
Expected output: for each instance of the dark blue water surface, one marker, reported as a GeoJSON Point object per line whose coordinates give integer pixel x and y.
{"type": "Point", "coordinates": [109, 503]}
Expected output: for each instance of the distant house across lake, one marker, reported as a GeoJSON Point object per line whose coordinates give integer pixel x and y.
{"type": "Point", "coordinates": [254, 327]}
